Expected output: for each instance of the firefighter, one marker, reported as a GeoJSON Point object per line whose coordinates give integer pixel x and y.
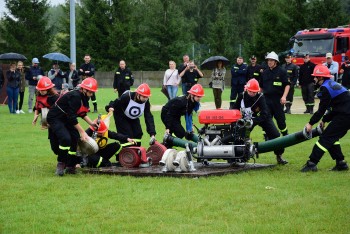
{"type": "Point", "coordinates": [252, 102]}
{"type": "Point", "coordinates": [336, 99]}
{"type": "Point", "coordinates": [87, 69]}
{"type": "Point", "coordinates": [238, 79]}
{"type": "Point", "coordinates": [127, 111]}
{"type": "Point", "coordinates": [275, 86]}
{"type": "Point", "coordinates": [65, 128]}
{"type": "Point", "coordinates": [182, 106]}
{"type": "Point", "coordinates": [45, 98]}
{"type": "Point", "coordinates": [292, 74]}
{"type": "Point", "coordinates": [254, 70]}
{"type": "Point", "coordinates": [306, 82]}
{"type": "Point", "coordinates": [106, 150]}
{"type": "Point", "coordinates": [123, 78]}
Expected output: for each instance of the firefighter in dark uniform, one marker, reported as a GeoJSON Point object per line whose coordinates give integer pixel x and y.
{"type": "Point", "coordinates": [254, 70]}
{"type": "Point", "coordinates": [292, 74]}
{"type": "Point", "coordinates": [129, 108]}
{"type": "Point", "coordinates": [106, 150]}
{"type": "Point", "coordinates": [275, 86]}
{"type": "Point", "coordinates": [252, 103]}
{"type": "Point", "coordinates": [345, 70]}
{"type": "Point", "coordinates": [123, 79]}
{"type": "Point", "coordinates": [88, 70]}
{"type": "Point", "coordinates": [182, 106]}
{"type": "Point", "coordinates": [189, 77]}
{"type": "Point", "coordinates": [306, 82]}
{"type": "Point", "coordinates": [64, 126]}
{"type": "Point", "coordinates": [336, 99]}
{"type": "Point", "coordinates": [238, 79]}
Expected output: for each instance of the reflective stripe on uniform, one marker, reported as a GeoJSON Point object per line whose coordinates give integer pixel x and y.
{"type": "Point", "coordinates": [72, 153]}
{"type": "Point", "coordinates": [255, 74]}
{"type": "Point", "coordinates": [99, 162]}
{"type": "Point", "coordinates": [321, 147]}
{"type": "Point", "coordinates": [127, 77]}
{"type": "Point", "coordinates": [336, 143]}
{"type": "Point", "coordinates": [277, 83]}
{"type": "Point", "coordinates": [284, 130]}
{"type": "Point", "coordinates": [64, 147]}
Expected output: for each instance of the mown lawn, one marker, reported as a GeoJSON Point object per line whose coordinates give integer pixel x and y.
{"type": "Point", "coordinates": [275, 200]}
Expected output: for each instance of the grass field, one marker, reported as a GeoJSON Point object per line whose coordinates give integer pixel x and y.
{"type": "Point", "coordinates": [276, 200]}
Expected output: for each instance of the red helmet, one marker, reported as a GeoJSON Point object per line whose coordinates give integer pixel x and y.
{"type": "Point", "coordinates": [143, 90]}
{"type": "Point", "coordinates": [252, 86]}
{"type": "Point", "coordinates": [322, 71]}
{"type": "Point", "coordinates": [197, 90]}
{"type": "Point", "coordinates": [89, 84]}
{"type": "Point", "coordinates": [44, 83]}
{"type": "Point", "coordinates": [101, 129]}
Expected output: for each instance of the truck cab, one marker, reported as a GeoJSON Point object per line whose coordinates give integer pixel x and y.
{"type": "Point", "coordinates": [318, 41]}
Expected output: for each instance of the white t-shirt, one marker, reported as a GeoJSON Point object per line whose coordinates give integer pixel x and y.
{"type": "Point", "coordinates": [171, 77]}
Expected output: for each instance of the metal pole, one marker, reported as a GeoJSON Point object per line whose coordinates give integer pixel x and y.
{"type": "Point", "coordinates": [73, 48]}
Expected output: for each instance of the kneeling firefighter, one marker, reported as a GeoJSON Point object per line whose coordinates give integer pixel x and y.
{"type": "Point", "coordinates": [252, 103]}
{"type": "Point", "coordinates": [106, 151]}
{"type": "Point", "coordinates": [182, 106]}
{"type": "Point", "coordinates": [335, 99]}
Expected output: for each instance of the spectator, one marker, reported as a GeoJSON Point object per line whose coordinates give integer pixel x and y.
{"type": "Point", "coordinates": [292, 74]}
{"type": "Point", "coordinates": [345, 70]}
{"type": "Point", "coordinates": [238, 80]}
{"type": "Point", "coordinates": [185, 62]}
{"type": "Point", "coordinates": [275, 86]}
{"type": "Point", "coordinates": [172, 80]}
{"type": "Point", "coordinates": [72, 76]}
{"type": "Point", "coordinates": [22, 86]}
{"type": "Point", "coordinates": [218, 83]}
{"type": "Point", "coordinates": [87, 69]}
{"type": "Point", "coordinates": [1, 79]}
{"type": "Point", "coordinates": [333, 66]}
{"type": "Point", "coordinates": [65, 129]}
{"type": "Point", "coordinates": [13, 79]}
{"type": "Point", "coordinates": [336, 99]}
{"type": "Point", "coordinates": [190, 76]}
{"type": "Point", "coordinates": [127, 111]}
{"type": "Point", "coordinates": [123, 79]}
{"type": "Point", "coordinates": [56, 75]}
{"type": "Point", "coordinates": [254, 70]}
{"type": "Point", "coordinates": [306, 81]}
{"type": "Point", "coordinates": [33, 75]}
{"type": "Point", "coordinates": [252, 103]}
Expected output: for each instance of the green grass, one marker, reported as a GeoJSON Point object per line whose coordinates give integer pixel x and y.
{"type": "Point", "coordinates": [276, 200]}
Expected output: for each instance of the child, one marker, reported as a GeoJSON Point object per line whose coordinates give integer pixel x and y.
{"type": "Point", "coordinates": [45, 98]}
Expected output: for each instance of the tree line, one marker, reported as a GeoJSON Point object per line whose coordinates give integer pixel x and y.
{"type": "Point", "coordinates": [149, 33]}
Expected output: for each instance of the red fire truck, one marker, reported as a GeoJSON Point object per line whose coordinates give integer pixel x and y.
{"type": "Point", "coordinates": [318, 41]}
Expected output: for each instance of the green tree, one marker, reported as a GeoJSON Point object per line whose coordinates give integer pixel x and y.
{"type": "Point", "coordinates": [92, 30]}
{"type": "Point", "coordinates": [164, 34]}
{"type": "Point", "coordinates": [25, 28]}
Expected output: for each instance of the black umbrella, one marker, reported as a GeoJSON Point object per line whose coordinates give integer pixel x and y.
{"type": "Point", "coordinates": [58, 57]}
{"type": "Point", "coordinates": [210, 63]}
{"type": "Point", "coordinates": [12, 56]}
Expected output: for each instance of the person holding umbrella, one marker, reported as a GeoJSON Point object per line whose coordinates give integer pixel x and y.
{"type": "Point", "coordinates": [33, 75]}
{"type": "Point", "coordinates": [56, 75]}
{"type": "Point", "coordinates": [218, 82]}
{"type": "Point", "coordinates": [13, 78]}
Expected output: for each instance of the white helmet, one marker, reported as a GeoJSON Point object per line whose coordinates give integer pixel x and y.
{"type": "Point", "coordinates": [272, 55]}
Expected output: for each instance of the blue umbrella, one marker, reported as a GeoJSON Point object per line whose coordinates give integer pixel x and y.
{"type": "Point", "coordinates": [57, 57]}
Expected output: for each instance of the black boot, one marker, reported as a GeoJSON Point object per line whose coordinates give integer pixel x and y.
{"type": "Point", "coordinates": [311, 110]}
{"type": "Point", "coordinates": [309, 166]}
{"type": "Point", "coordinates": [340, 166]}
{"type": "Point", "coordinates": [280, 160]}
{"type": "Point", "coordinates": [287, 110]}
{"type": "Point", "coordinates": [95, 108]}
{"type": "Point", "coordinates": [307, 110]}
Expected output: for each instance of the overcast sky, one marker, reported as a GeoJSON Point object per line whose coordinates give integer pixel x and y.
{"type": "Point", "coordinates": [52, 2]}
